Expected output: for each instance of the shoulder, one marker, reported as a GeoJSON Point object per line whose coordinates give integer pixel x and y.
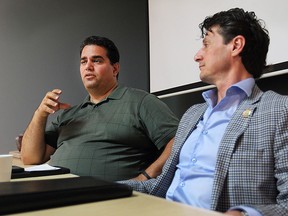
{"type": "Point", "coordinates": [267, 100]}
{"type": "Point", "coordinates": [274, 95]}
{"type": "Point", "coordinates": [141, 95]}
{"type": "Point", "coordinates": [197, 108]}
{"type": "Point", "coordinates": [272, 99]}
{"type": "Point", "coordinates": [192, 115]}
{"type": "Point", "coordinates": [136, 92]}
{"type": "Point", "coordinates": [271, 107]}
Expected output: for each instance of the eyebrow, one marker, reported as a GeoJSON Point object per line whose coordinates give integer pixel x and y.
{"type": "Point", "coordinates": [93, 57]}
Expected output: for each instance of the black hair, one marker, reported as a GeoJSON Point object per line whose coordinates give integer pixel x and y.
{"type": "Point", "coordinates": [238, 22]}
{"type": "Point", "coordinates": [112, 50]}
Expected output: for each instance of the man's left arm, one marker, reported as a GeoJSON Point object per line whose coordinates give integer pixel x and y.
{"type": "Point", "coordinates": [155, 168]}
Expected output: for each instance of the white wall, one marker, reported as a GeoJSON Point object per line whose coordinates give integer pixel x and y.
{"type": "Point", "coordinates": [175, 36]}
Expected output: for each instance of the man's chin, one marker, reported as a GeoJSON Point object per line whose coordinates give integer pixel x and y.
{"type": "Point", "coordinates": [90, 87]}
{"type": "Point", "coordinates": [205, 80]}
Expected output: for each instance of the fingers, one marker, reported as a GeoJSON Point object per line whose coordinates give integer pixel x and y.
{"type": "Point", "coordinates": [18, 140]}
{"type": "Point", "coordinates": [51, 104]}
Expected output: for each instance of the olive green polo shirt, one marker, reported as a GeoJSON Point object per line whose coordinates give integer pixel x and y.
{"type": "Point", "coordinates": [115, 139]}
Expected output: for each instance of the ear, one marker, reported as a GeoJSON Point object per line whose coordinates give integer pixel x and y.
{"type": "Point", "coordinates": [238, 44]}
{"type": "Point", "coordinates": [116, 68]}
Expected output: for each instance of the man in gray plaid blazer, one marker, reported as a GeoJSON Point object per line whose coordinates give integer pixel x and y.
{"type": "Point", "coordinates": [242, 168]}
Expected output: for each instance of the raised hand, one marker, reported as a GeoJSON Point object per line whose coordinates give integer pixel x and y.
{"type": "Point", "coordinates": [51, 104]}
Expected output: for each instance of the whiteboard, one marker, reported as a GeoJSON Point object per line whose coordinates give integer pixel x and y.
{"type": "Point", "coordinates": [174, 36]}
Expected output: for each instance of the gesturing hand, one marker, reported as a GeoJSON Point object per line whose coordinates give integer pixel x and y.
{"type": "Point", "coordinates": [51, 104]}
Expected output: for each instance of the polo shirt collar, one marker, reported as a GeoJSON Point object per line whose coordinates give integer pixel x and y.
{"type": "Point", "coordinates": [116, 94]}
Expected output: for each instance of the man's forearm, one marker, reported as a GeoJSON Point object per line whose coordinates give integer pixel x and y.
{"type": "Point", "coordinates": [33, 148]}
{"type": "Point", "coordinates": [155, 168]}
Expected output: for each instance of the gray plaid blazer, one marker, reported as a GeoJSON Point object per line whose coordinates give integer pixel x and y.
{"type": "Point", "coordinates": [252, 160]}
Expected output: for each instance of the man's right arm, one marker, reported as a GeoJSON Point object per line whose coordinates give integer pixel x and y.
{"type": "Point", "coordinates": [34, 150]}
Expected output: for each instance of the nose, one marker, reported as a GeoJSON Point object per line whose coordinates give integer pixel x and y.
{"type": "Point", "coordinates": [197, 56]}
{"type": "Point", "coordinates": [88, 65]}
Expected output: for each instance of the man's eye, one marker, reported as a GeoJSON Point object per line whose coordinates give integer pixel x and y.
{"type": "Point", "coordinates": [97, 60]}
{"type": "Point", "coordinates": [83, 62]}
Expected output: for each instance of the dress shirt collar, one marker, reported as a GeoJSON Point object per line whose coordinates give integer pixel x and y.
{"type": "Point", "coordinates": [244, 86]}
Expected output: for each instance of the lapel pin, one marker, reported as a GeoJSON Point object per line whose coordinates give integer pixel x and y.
{"type": "Point", "coordinates": [246, 113]}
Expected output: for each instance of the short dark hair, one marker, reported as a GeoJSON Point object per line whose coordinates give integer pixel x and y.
{"type": "Point", "coordinates": [112, 50]}
{"type": "Point", "coordinates": [238, 22]}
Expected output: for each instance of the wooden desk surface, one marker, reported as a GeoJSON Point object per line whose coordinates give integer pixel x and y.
{"type": "Point", "coordinates": [138, 204]}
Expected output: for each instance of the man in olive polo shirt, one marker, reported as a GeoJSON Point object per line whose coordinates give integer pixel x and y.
{"type": "Point", "coordinates": [116, 133]}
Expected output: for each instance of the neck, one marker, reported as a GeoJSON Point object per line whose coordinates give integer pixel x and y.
{"type": "Point", "coordinates": [96, 97]}
{"type": "Point", "coordinates": [223, 87]}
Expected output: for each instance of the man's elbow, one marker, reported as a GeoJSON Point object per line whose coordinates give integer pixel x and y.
{"type": "Point", "coordinates": [28, 160]}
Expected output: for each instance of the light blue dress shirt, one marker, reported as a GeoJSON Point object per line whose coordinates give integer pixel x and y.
{"type": "Point", "coordinates": [193, 180]}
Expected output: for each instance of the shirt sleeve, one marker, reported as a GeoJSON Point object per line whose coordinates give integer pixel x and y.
{"type": "Point", "coordinates": [51, 133]}
{"type": "Point", "coordinates": [159, 121]}
{"type": "Point", "coordinates": [249, 210]}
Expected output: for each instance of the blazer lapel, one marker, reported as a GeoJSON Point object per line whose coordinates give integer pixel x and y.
{"type": "Point", "coordinates": [236, 127]}
{"type": "Point", "coordinates": [188, 122]}
{"type": "Point", "coordinates": [186, 126]}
